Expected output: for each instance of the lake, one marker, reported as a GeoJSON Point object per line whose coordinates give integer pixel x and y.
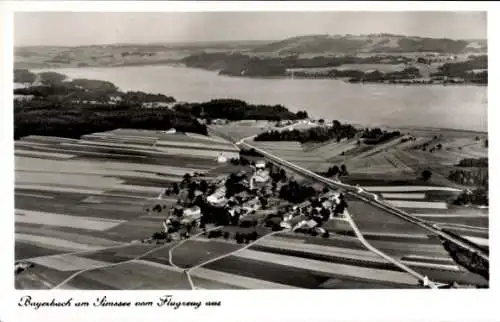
{"type": "Point", "coordinates": [458, 106]}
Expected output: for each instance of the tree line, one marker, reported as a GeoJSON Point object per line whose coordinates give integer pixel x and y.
{"type": "Point", "coordinates": [466, 70]}
{"type": "Point", "coordinates": [471, 162]}
{"type": "Point", "coordinates": [337, 131]}
{"type": "Point", "coordinates": [72, 120]}
{"type": "Point", "coordinates": [233, 109]}
{"type": "Point", "coordinates": [238, 64]}
{"type": "Point", "coordinates": [82, 106]}
{"type": "Point", "coordinates": [335, 170]}
{"type": "Point", "coordinates": [477, 196]}
{"type": "Point", "coordinates": [377, 136]}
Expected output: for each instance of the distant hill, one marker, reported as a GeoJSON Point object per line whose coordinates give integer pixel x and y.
{"type": "Point", "coordinates": [164, 53]}
{"type": "Point", "coordinates": [375, 43]}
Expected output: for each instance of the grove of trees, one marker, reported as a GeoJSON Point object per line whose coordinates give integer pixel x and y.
{"type": "Point", "coordinates": [233, 109]}
{"type": "Point", "coordinates": [237, 64]}
{"type": "Point", "coordinates": [24, 76]}
{"type": "Point", "coordinates": [477, 196]}
{"type": "Point", "coordinates": [295, 192]}
{"type": "Point", "coordinates": [337, 131]}
{"type": "Point", "coordinates": [426, 175]}
{"type": "Point", "coordinates": [72, 120]}
{"type": "Point", "coordinates": [376, 136]}
{"type": "Point", "coordinates": [470, 177]}
{"type": "Point", "coordinates": [336, 171]}
{"type": "Point", "coordinates": [471, 162]}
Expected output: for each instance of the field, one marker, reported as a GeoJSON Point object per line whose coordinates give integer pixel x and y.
{"type": "Point", "coordinates": [394, 173]}
{"type": "Point", "coordinates": [238, 130]}
{"type": "Point", "coordinates": [316, 158]}
{"type": "Point", "coordinates": [412, 245]}
{"type": "Point", "coordinates": [134, 275]}
{"type": "Point", "coordinates": [431, 203]}
{"type": "Point", "coordinates": [392, 170]}
{"type": "Point", "coordinates": [81, 206]}
{"type": "Point", "coordinates": [290, 260]}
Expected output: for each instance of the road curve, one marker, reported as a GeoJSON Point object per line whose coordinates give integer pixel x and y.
{"type": "Point", "coordinates": [367, 197]}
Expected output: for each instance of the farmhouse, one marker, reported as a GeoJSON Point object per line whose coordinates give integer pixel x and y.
{"type": "Point", "coordinates": [193, 215]}
{"type": "Point", "coordinates": [251, 205]}
{"type": "Point", "coordinates": [261, 164]}
{"type": "Point", "coordinates": [261, 176]}
{"type": "Point", "coordinates": [194, 212]}
{"type": "Point", "coordinates": [218, 197]}
{"type": "Point", "coordinates": [221, 158]}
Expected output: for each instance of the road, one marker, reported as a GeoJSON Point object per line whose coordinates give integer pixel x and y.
{"type": "Point", "coordinates": [129, 260]}
{"type": "Point", "coordinates": [368, 197]}
{"type": "Point", "coordinates": [395, 262]}
{"type": "Point", "coordinates": [187, 271]}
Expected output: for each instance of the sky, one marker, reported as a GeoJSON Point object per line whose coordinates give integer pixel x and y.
{"type": "Point", "coordinates": [88, 28]}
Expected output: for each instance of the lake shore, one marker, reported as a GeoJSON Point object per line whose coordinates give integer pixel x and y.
{"type": "Point", "coordinates": [404, 82]}
{"type": "Point", "coordinates": [452, 106]}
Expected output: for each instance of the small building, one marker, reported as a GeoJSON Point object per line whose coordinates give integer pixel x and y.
{"type": "Point", "coordinates": [242, 196]}
{"type": "Point", "coordinates": [327, 204]}
{"type": "Point", "coordinates": [261, 164]}
{"type": "Point", "coordinates": [192, 212]}
{"type": "Point", "coordinates": [261, 176]}
{"type": "Point", "coordinates": [23, 97]}
{"type": "Point", "coordinates": [115, 99]}
{"type": "Point", "coordinates": [285, 225]}
{"type": "Point", "coordinates": [190, 215]}
{"type": "Point", "coordinates": [221, 158]}
{"type": "Point", "coordinates": [251, 205]}
{"type": "Point", "coordinates": [234, 210]}
{"type": "Point", "coordinates": [218, 196]}
{"type": "Point", "coordinates": [320, 230]}
{"type": "Point", "coordinates": [171, 131]}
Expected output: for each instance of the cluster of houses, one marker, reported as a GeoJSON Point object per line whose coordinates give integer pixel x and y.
{"type": "Point", "coordinates": [238, 205]}
{"type": "Point", "coordinates": [257, 203]}
{"type": "Point", "coordinates": [317, 215]}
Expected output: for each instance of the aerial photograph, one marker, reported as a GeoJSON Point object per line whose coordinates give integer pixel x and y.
{"type": "Point", "coordinates": [251, 150]}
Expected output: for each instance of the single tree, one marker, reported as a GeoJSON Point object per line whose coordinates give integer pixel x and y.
{"type": "Point", "coordinates": [426, 175]}
{"type": "Point", "coordinates": [175, 188]}
{"type": "Point", "coordinates": [343, 170]}
{"type": "Point", "coordinates": [333, 171]}
{"type": "Point", "coordinates": [263, 202]}
{"type": "Point", "coordinates": [186, 177]}
{"type": "Point", "coordinates": [203, 186]}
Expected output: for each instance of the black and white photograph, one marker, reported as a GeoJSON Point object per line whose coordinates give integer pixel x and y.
{"type": "Point", "coordinates": [250, 150]}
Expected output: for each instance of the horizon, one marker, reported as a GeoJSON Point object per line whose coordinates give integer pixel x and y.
{"type": "Point", "coordinates": [229, 41]}
{"type": "Point", "coordinates": [51, 28]}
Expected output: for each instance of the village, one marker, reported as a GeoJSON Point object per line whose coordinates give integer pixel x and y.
{"type": "Point", "coordinates": [260, 196]}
